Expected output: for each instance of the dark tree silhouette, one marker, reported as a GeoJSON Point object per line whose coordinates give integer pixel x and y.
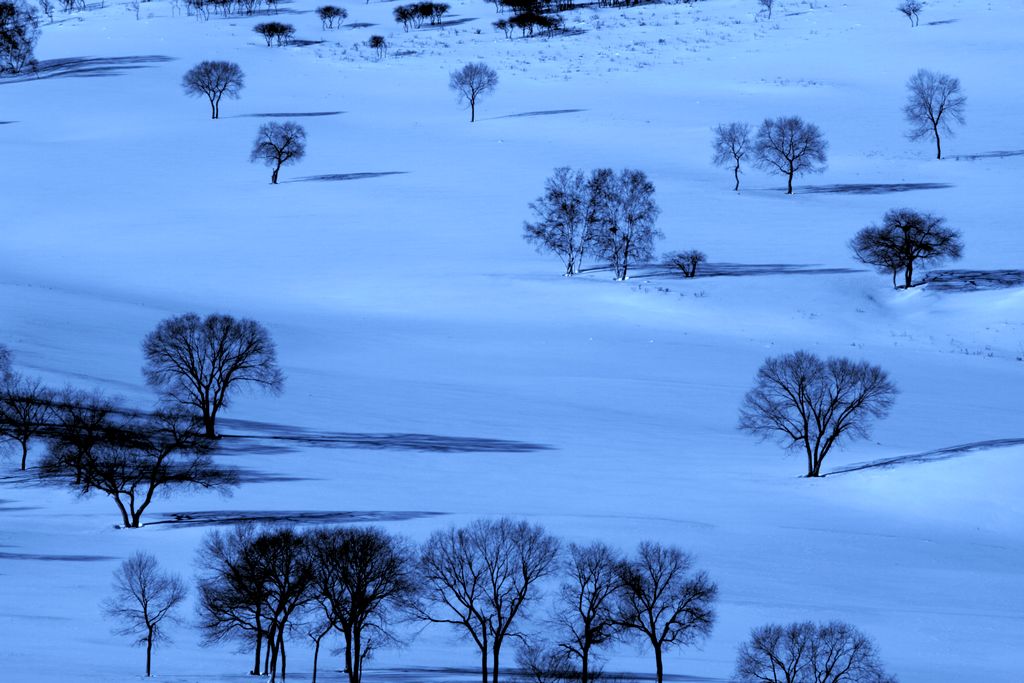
{"type": "Point", "coordinates": [144, 599]}
{"type": "Point", "coordinates": [911, 9]}
{"type": "Point", "coordinates": [131, 458]}
{"type": "Point", "coordinates": [835, 652]}
{"type": "Point", "coordinates": [362, 577]}
{"type": "Point", "coordinates": [479, 578]}
{"type": "Point", "coordinates": [288, 571]}
{"type": "Point", "coordinates": [814, 404]}
{"type": "Point", "coordinates": [329, 14]}
{"type": "Point", "coordinates": [379, 45]}
{"type": "Point", "coordinates": [932, 101]}
{"type": "Point", "coordinates": [906, 238]}
{"type": "Point", "coordinates": [624, 214]}
{"type": "Point", "coordinates": [26, 411]}
{"type": "Point", "coordinates": [663, 601]}
{"type": "Point", "coordinates": [5, 363]}
{"type": "Point", "coordinates": [81, 420]}
{"type": "Point", "coordinates": [563, 220]}
{"type": "Point", "coordinates": [200, 363]}
{"type": "Point", "coordinates": [767, 6]}
{"type": "Point", "coordinates": [19, 32]}
{"type": "Point", "coordinates": [278, 144]}
{"type": "Point", "coordinates": [789, 146]}
{"type": "Point", "coordinates": [472, 81]}
{"type": "Point", "coordinates": [685, 261]}
{"type": "Point", "coordinates": [275, 31]}
{"type": "Point", "coordinates": [731, 144]}
{"type": "Point", "coordinates": [585, 610]}
{"type": "Point", "coordinates": [214, 80]}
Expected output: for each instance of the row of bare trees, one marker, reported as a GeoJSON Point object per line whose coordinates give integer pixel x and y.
{"type": "Point", "coordinates": [265, 586]}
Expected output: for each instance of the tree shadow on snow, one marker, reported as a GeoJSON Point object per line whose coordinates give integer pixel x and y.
{"type": "Point", "coordinates": [732, 270]}
{"type": "Point", "coordinates": [1000, 154]}
{"type": "Point", "coordinates": [288, 115]}
{"type": "Point", "coordinates": [55, 558]}
{"type": "Point", "coordinates": [929, 456]}
{"type": "Point", "coordinates": [221, 517]}
{"type": "Point", "coordinates": [872, 188]}
{"type": "Point", "coordinates": [335, 177]}
{"type": "Point", "coordinates": [546, 112]}
{"type": "Point", "coordinates": [973, 280]}
{"type": "Point", "coordinates": [87, 67]}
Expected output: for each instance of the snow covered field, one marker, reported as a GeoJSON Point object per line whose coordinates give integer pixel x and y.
{"type": "Point", "coordinates": [390, 269]}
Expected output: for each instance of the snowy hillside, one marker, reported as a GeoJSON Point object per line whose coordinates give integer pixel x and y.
{"type": "Point", "coordinates": [438, 369]}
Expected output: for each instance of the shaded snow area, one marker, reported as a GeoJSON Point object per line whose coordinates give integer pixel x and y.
{"type": "Point", "coordinates": [438, 369]}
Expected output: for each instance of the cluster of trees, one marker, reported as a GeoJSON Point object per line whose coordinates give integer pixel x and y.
{"type": "Point", "coordinates": [263, 586]}
{"type": "Point", "coordinates": [608, 215]}
{"type": "Point", "coordinates": [530, 15]}
{"type": "Point", "coordinates": [329, 14]}
{"type": "Point", "coordinates": [415, 14]}
{"type": "Point", "coordinates": [201, 8]}
{"type": "Point", "coordinates": [19, 33]}
{"type": "Point", "coordinates": [786, 145]}
{"type": "Point", "coordinates": [275, 31]}
{"type": "Point", "coordinates": [97, 444]}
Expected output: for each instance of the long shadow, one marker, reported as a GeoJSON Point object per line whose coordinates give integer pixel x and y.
{"type": "Point", "coordinates": [546, 112]}
{"type": "Point", "coordinates": [999, 154]}
{"type": "Point", "coordinates": [335, 177]}
{"type": "Point", "coordinates": [929, 456]}
{"type": "Point", "coordinates": [55, 558]}
{"type": "Point", "coordinates": [451, 674]}
{"type": "Point", "coordinates": [451, 22]}
{"type": "Point", "coordinates": [359, 24]}
{"type": "Point", "coordinates": [973, 280]}
{"type": "Point", "coordinates": [269, 434]}
{"type": "Point", "coordinates": [289, 115]}
{"type": "Point", "coordinates": [87, 67]}
{"type": "Point", "coordinates": [738, 270]}
{"type": "Point", "coordinates": [940, 23]}
{"type": "Point", "coordinates": [221, 517]}
{"type": "Point", "coordinates": [4, 123]}
{"type": "Point", "coordinates": [872, 188]}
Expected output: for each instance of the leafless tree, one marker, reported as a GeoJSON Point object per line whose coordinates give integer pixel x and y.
{"type": "Point", "coordinates": [933, 100]}
{"type": "Point", "coordinates": [288, 571]}
{"type": "Point", "coordinates": [215, 80]}
{"type": "Point", "coordinates": [379, 45]}
{"type": "Point", "coordinates": [731, 144]}
{"type": "Point", "coordinates": [47, 7]}
{"type": "Point", "coordinates": [472, 81]}
{"type": "Point", "coordinates": [912, 10]}
{"type": "Point", "coordinates": [278, 144]}
{"type": "Point", "coordinates": [479, 578]}
{"type": "Point", "coordinates": [200, 363]}
{"type": "Point", "coordinates": [804, 652]}
{"type": "Point", "coordinates": [685, 261]}
{"type": "Point", "coordinates": [625, 216]}
{"type": "Point", "coordinates": [26, 411]}
{"type": "Point", "coordinates": [789, 146]}
{"type": "Point", "coordinates": [362, 577]}
{"type": "Point", "coordinates": [134, 457]}
{"type": "Point", "coordinates": [767, 6]}
{"type": "Point", "coordinates": [814, 404]}
{"type": "Point", "coordinates": [19, 33]}
{"type": "Point", "coordinates": [145, 597]}
{"type": "Point", "coordinates": [81, 421]}
{"type": "Point", "coordinates": [663, 601]}
{"type": "Point", "coordinates": [585, 609]}
{"type": "Point", "coordinates": [563, 223]}
{"type": "Point", "coordinates": [275, 31]}
{"type": "Point", "coordinates": [233, 589]}
{"type": "Point", "coordinates": [540, 663]}
{"type": "Point", "coordinates": [906, 238]}
{"type": "Point", "coordinates": [329, 14]}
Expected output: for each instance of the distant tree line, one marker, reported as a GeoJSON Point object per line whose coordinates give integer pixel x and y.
{"type": "Point", "coordinates": [416, 14]}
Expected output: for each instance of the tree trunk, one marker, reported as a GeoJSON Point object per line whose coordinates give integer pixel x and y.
{"type": "Point", "coordinates": [585, 666]}
{"type": "Point", "coordinates": [149, 652]}
{"type": "Point", "coordinates": [483, 664]}
{"type": "Point", "coordinates": [736, 172]}
{"type": "Point", "coordinates": [209, 424]}
{"type": "Point", "coordinates": [357, 657]}
{"type": "Point", "coordinates": [284, 655]}
{"type": "Point", "coordinates": [658, 669]}
{"type": "Point", "coordinates": [909, 275]}
{"type": "Point", "coordinates": [259, 643]}
{"type": "Point", "coordinates": [789, 188]}
{"type": "Point", "coordinates": [938, 142]}
{"type": "Point", "coordinates": [316, 657]}
{"type": "Point", "coordinates": [273, 176]}
{"type": "Point", "coordinates": [494, 662]}
{"type": "Point", "coordinates": [472, 109]}
{"type": "Point", "coordinates": [24, 454]}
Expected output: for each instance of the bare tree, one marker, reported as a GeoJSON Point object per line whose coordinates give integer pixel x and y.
{"type": "Point", "coordinates": [625, 216]}
{"type": "Point", "coordinates": [809, 653]}
{"type": "Point", "coordinates": [663, 601]}
{"type": "Point", "coordinates": [379, 45]}
{"type": "Point", "coordinates": [288, 572]}
{"type": "Point", "coordinates": [789, 146]}
{"type": "Point", "coordinates": [275, 31]}
{"type": "Point", "coordinates": [585, 610]}
{"type": "Point", "coordinates": [214, 79]}
{"type": "Point", "coordinates": [472, 81]}
{"type": "Point", "coordinates": [132, 458]}
{"type": "Point", "coordinates": [363, 575]}
{"type": "Point", "coordinates": [81, 420]}
{"type": "Point", "coordinates": [329, 14]}
{"type": "Point", "coordinates": [144, 598]}
{"type": "Point", "coordinates": [731, 144]}
{"type": "Point", "coordinates": [911, 9]}
{"type": "Point", "coordinates": [685, 261]}
{"type": "Point", "coordinates": [563, 220]}
{"type": "Point", "coordinates": [905, 238]}
{"type": "Point", "coordinates": [200, 363]}
{"type": "Point", "coordinates": [932, 101]}
{"type": "Point", "coordinates": [278, 144]}
{"type": "Point", "coordinates": [26, 411]}
{"type": "Point", "coordinates": [481, 577]}
{"type": "Point", "coordinates": [19, 33]}
{"type": "Point", "coordinates": [767, 6]}
{"type": "Point", "coordinates": [540, 663]}
{"type": "Point", "coordinates": [814, 404]}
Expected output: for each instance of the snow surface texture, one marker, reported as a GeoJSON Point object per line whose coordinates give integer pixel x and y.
{"type": "Point", "coordinates": [440, 370]}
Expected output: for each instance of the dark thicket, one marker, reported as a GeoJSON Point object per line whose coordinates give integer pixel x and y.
{"type": "Point", "coordinates": [19, 32]}
{"type": "Point", "coordinates": [275, 31]}
{"type": "Point", "coordinates": [685, 261]}
{"type": "Point", "coordinates": [814, 404]}
{"type": "Point", "coordinates": [26, 410]}
{"type": "Point", "coordinates": [329, 14]}
{"type": "Point", "coordinates": [906, 238]}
